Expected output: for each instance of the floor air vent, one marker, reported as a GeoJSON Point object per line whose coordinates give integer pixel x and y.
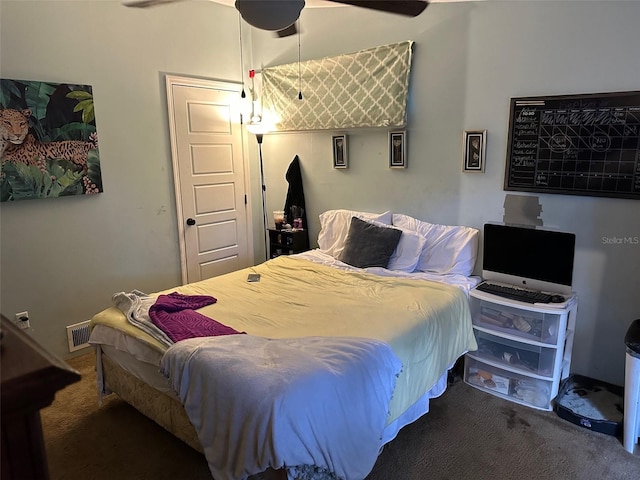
{"type": "Point", "coordinates": [78, 335]}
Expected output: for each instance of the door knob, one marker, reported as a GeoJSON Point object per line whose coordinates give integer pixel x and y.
{"type": "Point", "coordinates": [191, 221]}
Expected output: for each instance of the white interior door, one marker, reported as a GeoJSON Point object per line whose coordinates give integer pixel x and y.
{"type": "Point", "coordinates": [209, 175]}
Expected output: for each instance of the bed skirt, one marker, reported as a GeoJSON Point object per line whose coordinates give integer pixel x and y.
{"type": "Point", "coordinates": [164, 410]}
{"type": "Point", "coordinates": [161, 408]}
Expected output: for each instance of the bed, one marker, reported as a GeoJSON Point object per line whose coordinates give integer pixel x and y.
{"type": "Point", "coordinates": [309, 371]}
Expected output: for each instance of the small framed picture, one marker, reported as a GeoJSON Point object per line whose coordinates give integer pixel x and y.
{"type": "Point", "coordinates": [340, 153]}
{"type": "Point", "coordinates": [398, 149]}
{"type": "Point", "coordinates": [474, 145]}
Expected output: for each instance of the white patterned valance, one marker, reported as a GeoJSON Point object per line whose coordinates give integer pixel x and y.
{"type": "Point", "coordinates": [364, 89]}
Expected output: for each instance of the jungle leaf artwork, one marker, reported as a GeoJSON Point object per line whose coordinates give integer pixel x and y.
{"type": "Point", "coordinates": [29, 181]}
{"type": "Point", "coordinates": [49, 140]}
{"type": "Point", "coordinates": [85, 104]}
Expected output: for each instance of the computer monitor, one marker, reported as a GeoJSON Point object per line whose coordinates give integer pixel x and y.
{"type": "Point", "coordinates": [529, 257]}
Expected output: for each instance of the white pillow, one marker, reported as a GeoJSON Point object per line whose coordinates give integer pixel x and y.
{"type": "Point", "coordinates": [407, 254]}
{"type": "Point", "coordinates": [448, 249]}
{"type": "Point", "coordinates": [334, 227]}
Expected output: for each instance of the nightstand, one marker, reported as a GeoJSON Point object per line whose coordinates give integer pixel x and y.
{"type": "Point", "coordinates": [287, 242]}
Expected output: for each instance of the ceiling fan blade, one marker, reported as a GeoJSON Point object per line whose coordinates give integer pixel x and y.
{"type": "Point", "coordinates": [410, 8]}
{"type": "Point", "coordinates": [146, 3]}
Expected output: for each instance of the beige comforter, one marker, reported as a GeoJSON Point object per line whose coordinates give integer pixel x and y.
{"type": "Point", "coordinates": [427, 324]}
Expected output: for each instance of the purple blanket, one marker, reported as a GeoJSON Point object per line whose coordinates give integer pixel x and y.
{"type": "Point", "coordinates": [174, 314]}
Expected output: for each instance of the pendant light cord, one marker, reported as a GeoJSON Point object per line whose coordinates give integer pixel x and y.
{"type": "Point", "coordinates": [299, 74]}
{"type": "Point", "coordinates": [243, 94]}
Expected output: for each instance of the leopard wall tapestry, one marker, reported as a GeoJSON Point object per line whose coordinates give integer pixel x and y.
{"type": "Point", "coordinates": [48, 140]}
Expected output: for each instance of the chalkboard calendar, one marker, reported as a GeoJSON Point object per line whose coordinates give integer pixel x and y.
{"type": "Point", "coordinates": [575, 144]}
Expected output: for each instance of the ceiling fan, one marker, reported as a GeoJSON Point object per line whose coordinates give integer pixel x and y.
{"type": "Point", "coordinates": [281, 15]}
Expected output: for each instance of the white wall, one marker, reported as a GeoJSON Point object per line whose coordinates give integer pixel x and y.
{"type": "Point", "coordinates": [63, 258]}
{"type": "Point", "coordinates": [470, 59]}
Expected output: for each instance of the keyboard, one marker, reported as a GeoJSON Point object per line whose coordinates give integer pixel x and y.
{"type": "Point", "coordinates": [514, 293]}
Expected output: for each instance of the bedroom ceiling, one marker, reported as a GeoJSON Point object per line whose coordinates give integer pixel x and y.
{"type": "Point", "coordinates": [281, 16]}
{"type": "Point", "coordinates": [326, 4]}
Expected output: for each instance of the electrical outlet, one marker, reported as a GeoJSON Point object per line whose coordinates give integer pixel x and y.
{"type": "Point", "coordinates": [22, 320]}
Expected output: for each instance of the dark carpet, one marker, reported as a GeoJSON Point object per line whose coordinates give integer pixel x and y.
{"type": "Point", "coordinates": [468, 434]}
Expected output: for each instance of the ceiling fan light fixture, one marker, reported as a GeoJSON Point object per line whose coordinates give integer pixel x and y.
{"type": "Point", "coordinates": [270, 14]}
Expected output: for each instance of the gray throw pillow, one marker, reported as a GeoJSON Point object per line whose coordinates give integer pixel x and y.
{"type": "Point", "coordinates": [368, 245]}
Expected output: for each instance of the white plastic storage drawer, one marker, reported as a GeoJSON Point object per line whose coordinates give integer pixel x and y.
{"type": "Point", "coordinates": [515, 355]}
{"type": "Point", "coordinates": [528, 324]}
{"type": "Point", "coordinates": [519, 388]}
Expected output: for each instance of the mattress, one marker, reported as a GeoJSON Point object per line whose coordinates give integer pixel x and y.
{"type": "Point", "coordinates": [141, 384]}
{"type": "Point", "coordinates": [425, 321]}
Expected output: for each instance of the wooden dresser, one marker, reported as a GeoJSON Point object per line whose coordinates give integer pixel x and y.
{"type": "Point", "coordinates": [30, 377]}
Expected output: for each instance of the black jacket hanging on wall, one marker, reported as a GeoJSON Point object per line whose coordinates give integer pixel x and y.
{"type": "Point", "coordinates": [295, 193]}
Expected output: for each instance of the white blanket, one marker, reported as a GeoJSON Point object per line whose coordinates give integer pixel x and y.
{"type": "Point", "coordinates": [285, 402]}
{"type": "Point", "coordinates": [455, 279]}
{"type": "Point", "coordinates": [135, 305]}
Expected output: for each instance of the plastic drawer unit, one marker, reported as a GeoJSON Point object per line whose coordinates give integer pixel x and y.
{"type": "Point", "coordinates": [524, 350]}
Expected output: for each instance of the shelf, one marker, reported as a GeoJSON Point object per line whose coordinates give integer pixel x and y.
{"type": "Point", "coordinates": [515, 356]}
{"type": "Point", "coordinates": [508, 368]}
{"type": "Point", "coordinates": [526, 321]}
{"type": "Point", "coordinates": [509, 398]}
{"type": "Point", "coordinates": [533, 307]}
{"type": "Point", "coordinates": [515, 337]}
{"type": "Point", "coordinates": [524, 389]}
